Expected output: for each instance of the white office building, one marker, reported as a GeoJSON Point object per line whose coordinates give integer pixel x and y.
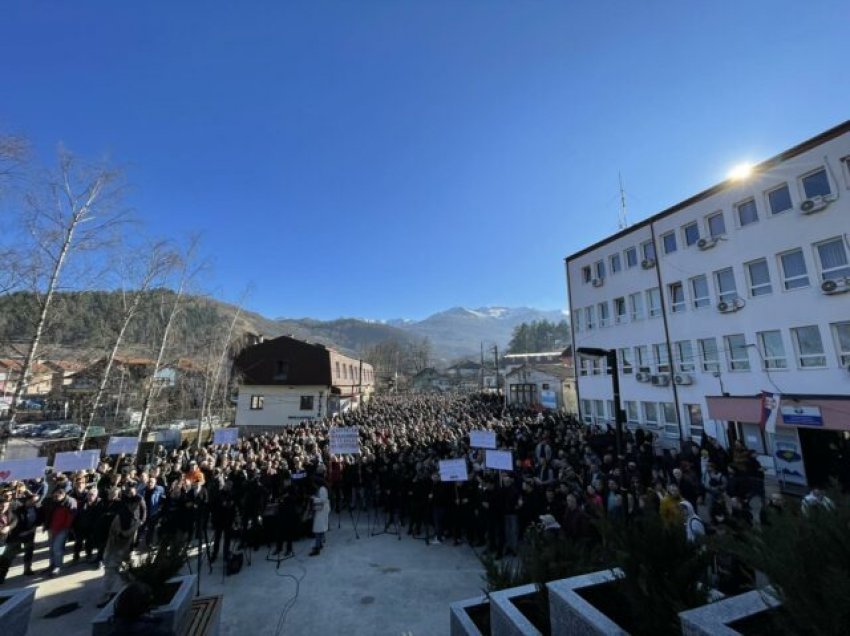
{"type": "Point", "coordinates": [739, 290]}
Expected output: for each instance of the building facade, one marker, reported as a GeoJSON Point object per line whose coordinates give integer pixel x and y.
{"type": "Point", "coordinates": [737, 291]}
{"type": "Point", "coordinates": [547, 386]}
{"type": "Point", "coordinates": [285, 381]}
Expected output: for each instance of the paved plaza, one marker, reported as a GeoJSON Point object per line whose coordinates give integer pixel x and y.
{"type": "Point", "coordinates": [375, 585]}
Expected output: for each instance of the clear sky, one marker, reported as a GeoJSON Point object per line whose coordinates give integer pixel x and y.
{"type": "Point", "coordinates": [393, 158]}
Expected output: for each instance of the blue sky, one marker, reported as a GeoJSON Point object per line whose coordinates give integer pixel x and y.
{"type": "Point", "coordinates": [393, 159]}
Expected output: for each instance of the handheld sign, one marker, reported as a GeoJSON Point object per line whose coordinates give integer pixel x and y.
{"type": "Point", "coordinates": [73, 461]}
{"type": "Point", "coordinates": [482, 439]}
{"type": "Point", "coordinates": [453, 470]}
{"type": "Point", "coordinates": [119, 445]}
{"type": "Point", "coordinates": [345, 440]}
{"type": "Point", "coordinates": [226, 436]}
{"type": "Point", "coordinates": [499, 459]}
{"type": "Point", "coordinates": [22, 469]}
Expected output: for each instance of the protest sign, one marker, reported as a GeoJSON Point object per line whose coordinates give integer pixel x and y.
{"type": "Point", "coordinates": [118, 445]}
{"type": "Point", "coordinates": [345, 440]}
{"type": "Point", "coordinates": [21, 469]}
{"type": "Point", "coordinates": [72, 461]}
{"type": "Point", "coordinates": [499, 459]}
{"type": "Point", "coordinates": [482, 439]}
{"type": "Point", "coordinates": [226, 436]}
{"type": "Point", "coordinates": [453, 470]}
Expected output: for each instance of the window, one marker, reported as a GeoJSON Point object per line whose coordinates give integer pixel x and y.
{"type": "Point", "coordinates": [653, 301]}
{"type": "Point", "coordinates": [599, 267]}
{"type": "Point", "coordinates": [590, 317]}
{"type": "Point", "coordinates": [662, 359]}
{"type": "Point", "coordinates": [725, 280]}
{"type": "Point", "coordinates": [684, 352]}
{"type": "Point", "coordinates": [794, 273]}
{"type": "Point", "coordinates": [809, 347]}
{"type": "Point", "coordinates": [833, 259]}
{"type": "Point", "coordinates": [586, 412]}
{"type": "Point", "coordinates": [351, 371]}
{"type": "Point", "coordinates": [281, 371]}
{"type": "Point", "coordinates": [616, 264]}
{"type": "Point", "coordinates": [306, 402]}
{"type": "Point", "coordinates": [632, 413]}
{"type": "Point", "coordinates": [779, 199]}
{"type": "Point", "coordinates": [736, 350]}
{"type": "Point", "coordinates": [631, 257]}
{"type": "Point", "coordinates": [344, 372]}
{"type": "Point", "coordinates": [696, 425]}
{"type": "Point", "coordinates": [584, 366]}
{"type": "Point", "coordinates": [671, 426]}
{"type": "Point", "coordinates": [650, 413]}
{"type": "Point", "coordinates": [816, 184]}
{"type": "Point", "coordinates": [747, 213]}
{"type": "Point", "coordinates": [677, 297]}
{"type": "Point", "coordinates": [759, 277]}
{"type": "Point", "coordinates": [691, 232]}
{"type": "Point", "coordinates": [579, 320]}
{"type": "Point", "coordinates": [619, 310]}
{"type": "Point", "coordinates": [841, 332]}
{"type": "Point", "coordinates": [599, 411]}
{"type": "Point", "coordinates": [699, 291]}
{"type": "Point", "coordinates": [256, 402]}
{"type": "Point", "coordinates": [648, 250]}
{"type": "Point", "coordinates": [772, 350]}
{"type": "Point", "coordinates": [527, 394]}
{"type": "Point", "coordinates": [626, 364]}
{"type": "Point", "coordinates": [596, 365]}
{"type": "Point", "coordinates": [708, 354]}
{"type": "Point", "coordinates": [604, 315]}
{"type": "Point", "coordinates": [636, 306]}
{"type": "Point", "coordinates": [668, 241]}
{"type": "Point", "coordinates": [337, 369]}
{"type": "Point", "coordinates": [642, 357]}
{"type": "Point", "coordinates": [716, 225]}
{"type": "Point", "coordinates": [586, 275]}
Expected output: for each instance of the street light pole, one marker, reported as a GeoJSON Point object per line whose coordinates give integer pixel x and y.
{"type": "Point", "coordinates": [610, 356]}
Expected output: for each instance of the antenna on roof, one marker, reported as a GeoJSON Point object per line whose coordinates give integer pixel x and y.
{"type": "Point", "coordinates": [622, 222]}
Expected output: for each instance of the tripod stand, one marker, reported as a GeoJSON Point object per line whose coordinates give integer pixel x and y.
{"type": "Point", "coordinates": [354, 520]}
{"type": "Point", "coordinates": [392, 520]}
{"type": "Point", "coordinates": [203, 544]}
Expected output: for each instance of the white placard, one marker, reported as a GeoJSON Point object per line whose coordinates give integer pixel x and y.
{"type": "Point", "coordinates": [499, 459]}
{"type": "Point", "coordinates": [226, 436]}
{"type": "Point", "coordinates": [482, 439]}
{"type": "Point", "coordinates": [453, 470]}
{"type": "Point", "coordinates": [21, 469]}
{"type": "Point", "coordinates": [72, 461]}
{"type": "Point", "coordinates": [119, 445]}
{"type": "Point", "coordinates": [345, 440]}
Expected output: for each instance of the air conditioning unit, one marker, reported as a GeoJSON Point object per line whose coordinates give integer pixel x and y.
{"type": "Point", "coordinates": [597, 282]}
{"type": "Point", "coordinates": [706, 243]}
{"type": "Point", "coordinates": [835, 286]}
{"type": "Point", "coordinates": [648, 263]}
{"type": "Point", "coordinates": [643, 377]}
{"type": "Point", "coordinates": [683, 379]}
{"type": "Point", "coordinates": [816, 204]}
{"type": "Point", "coordinates": [727, 307]}
{"type": "Point", "coordinates": [662, 379]}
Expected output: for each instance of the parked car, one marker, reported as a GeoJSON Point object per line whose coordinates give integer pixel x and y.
{"type": "Point", "coordinates": [23, 430]}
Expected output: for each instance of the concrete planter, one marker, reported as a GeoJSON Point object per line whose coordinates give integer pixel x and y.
{"type": "Point", "coordinates": [714, 619]}
{"type": "Point", "coordinates": [174, 616]}
{"type": "Point", "coordinates": [15, 610]}
{"type": "Point", "coordinates": [505, 618]}
{"type": "Point", "coordinates": [572, 615]}
{"type": "Point", "coordinates": [461, 623]}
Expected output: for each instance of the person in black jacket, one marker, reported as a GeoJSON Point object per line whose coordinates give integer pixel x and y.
{"type": "Point", "coordinates": [223, 509]}
{"type": "Point", "coordinates": [23, 536]}
{"type": "Point", "coordinates": [84, 524]}
{"type": "Point", "coordinates": [287, 520]}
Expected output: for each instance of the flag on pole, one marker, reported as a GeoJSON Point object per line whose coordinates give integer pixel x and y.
{"type": "Point", "coordinates": [769, 411]}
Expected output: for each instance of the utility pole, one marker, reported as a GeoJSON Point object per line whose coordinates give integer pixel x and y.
{"type": "Point", "coordinates": [623, 223]}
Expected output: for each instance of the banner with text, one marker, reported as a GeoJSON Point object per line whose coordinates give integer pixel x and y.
{"type": "Point", "coordinates": [119, 445]}
{"type": "Point", "coordinates": [22, 469]}
{"type": "Point", "coordinates": [482, 439]}
{"type": "Point", "coordinates": [498, 459]}
{"type": "Point", "coordinates": [453, 470]}
{"type": "Point", "coordinates": [345, 440]}
{"type": "Point", "coordinates": [72, 461]}
{"type": "Point", "coordinates": [226, 436]}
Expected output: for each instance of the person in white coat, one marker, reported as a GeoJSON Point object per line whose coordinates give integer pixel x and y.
{"type": "Point", "coordinates": [321, 510]}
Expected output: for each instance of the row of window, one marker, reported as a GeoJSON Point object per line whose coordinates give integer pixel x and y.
{"type": "Point", "coordinates": [650, 414]}
{"type": "Point", "coordinates": [775, 201]}
{"type": "Point", "coordinates": [790, 267]}
{"type": "Point", "coordinates": [771, 347]}
{"type": "Point", "coordinates": [346, 371]}
{"type": "Point", "coordinates": [258, 402]}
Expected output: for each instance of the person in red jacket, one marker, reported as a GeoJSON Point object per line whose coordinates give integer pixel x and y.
{"type": "Point", "coordinates": [59, 518]}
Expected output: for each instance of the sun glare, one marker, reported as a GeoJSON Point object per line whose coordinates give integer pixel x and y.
{"type": "Point", "coordinates": [741, 171]}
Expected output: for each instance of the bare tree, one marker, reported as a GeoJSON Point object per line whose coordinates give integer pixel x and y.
{"type": "Point", "coordinates": [159, 259]}
{"type": "Point", "coordinates": [73, 213]}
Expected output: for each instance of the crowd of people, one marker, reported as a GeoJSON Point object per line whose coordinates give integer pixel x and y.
{"type": "Point", "coordinates": [274, 488]}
